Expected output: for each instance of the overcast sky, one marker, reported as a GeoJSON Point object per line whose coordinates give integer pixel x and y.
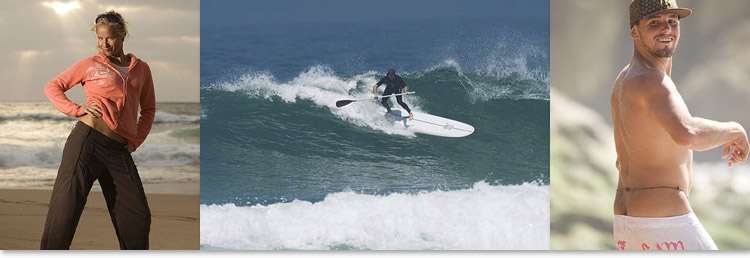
{"type": "Point", "coordinates": [40, 39]}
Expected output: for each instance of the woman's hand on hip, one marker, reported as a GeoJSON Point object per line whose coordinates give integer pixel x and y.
{"type": "Point", "coordinates": [93, 108]}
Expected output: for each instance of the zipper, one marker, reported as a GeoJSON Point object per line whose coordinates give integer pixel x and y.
{"type": "Point", "coordinates": [125, 94]}
{"type": "Point", "coordinates": [124, 87]}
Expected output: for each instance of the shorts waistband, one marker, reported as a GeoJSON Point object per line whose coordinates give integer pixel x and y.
{"type": "Point", "coordinates": [98, 137]}
{"type": "Point", "coordinates": [665, 222]}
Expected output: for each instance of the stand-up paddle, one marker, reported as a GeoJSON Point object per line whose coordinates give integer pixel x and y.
{"type": "Point", "coordinates": [345, 102]}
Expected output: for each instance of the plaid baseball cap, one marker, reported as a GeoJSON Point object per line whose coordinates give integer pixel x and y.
{"type": "Point", "coordinates": [643, 8]}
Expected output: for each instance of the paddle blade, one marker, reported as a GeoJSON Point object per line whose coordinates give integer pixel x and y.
{"type": "Point", "coordinates": [342, 103]}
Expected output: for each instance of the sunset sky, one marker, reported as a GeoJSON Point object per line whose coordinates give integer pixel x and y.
{"type": "Point", "coordinates": [40, 39]}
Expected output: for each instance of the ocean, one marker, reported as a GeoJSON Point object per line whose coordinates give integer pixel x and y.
{"type": "Point", "coordinates": [284, 169]}
{"type": "Point", "coordinates": [32, 136]}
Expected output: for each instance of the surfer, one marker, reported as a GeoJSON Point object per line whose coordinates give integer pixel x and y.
{"type": "Point", "coordinates": [393, 85]}
{"type": "Point", "coordinates": [655, 137]}
{"type": "Point", "coordinates": [99, 146]}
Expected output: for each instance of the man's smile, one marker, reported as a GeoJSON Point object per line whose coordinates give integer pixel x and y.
{"type": "Point", "coordinates": [668, 39]}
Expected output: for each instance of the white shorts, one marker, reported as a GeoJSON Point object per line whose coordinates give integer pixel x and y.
{"type": "Point", "coordinates": [682, 232]}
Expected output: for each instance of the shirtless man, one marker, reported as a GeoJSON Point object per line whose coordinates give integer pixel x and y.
{"type": "Point", "coordinates": [655, 136]}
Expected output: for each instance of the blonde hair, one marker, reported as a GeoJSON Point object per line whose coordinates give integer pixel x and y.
{"type": "Point", "coordinates": [114, 19]}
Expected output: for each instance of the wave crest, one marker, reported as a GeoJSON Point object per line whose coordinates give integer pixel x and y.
{"type": "Point", "coordinates": [484, 217]}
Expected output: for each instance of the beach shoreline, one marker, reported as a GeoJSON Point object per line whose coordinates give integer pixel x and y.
{"type": "Point", "coordinates": [150, 188]}
{"type": "Point", "coordinates": [175, 219]}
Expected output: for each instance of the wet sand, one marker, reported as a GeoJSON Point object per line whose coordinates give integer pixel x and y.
{"type": "Point", "coordinates": [175, 219]}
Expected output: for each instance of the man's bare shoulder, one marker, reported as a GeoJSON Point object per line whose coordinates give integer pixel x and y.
{"type": "Point", "coordinates": [644, 82]}
{"type": "Point", "coordinates": [621, 75]}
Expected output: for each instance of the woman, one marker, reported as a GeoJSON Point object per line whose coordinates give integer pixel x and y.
{"type": "Point", "coordinates": [99, 146]}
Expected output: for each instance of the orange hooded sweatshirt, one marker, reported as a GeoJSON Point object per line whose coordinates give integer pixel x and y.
{"type": "Point", "coordinates": [118, 97]}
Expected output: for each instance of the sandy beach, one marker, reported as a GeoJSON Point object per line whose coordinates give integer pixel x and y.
{"type": "Point", "coordinates": [175, 221]}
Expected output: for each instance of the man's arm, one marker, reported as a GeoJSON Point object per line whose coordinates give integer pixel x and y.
{"type": "Point", "coordinates": [669, 110]}
{"type": "Point", "coordinates": [375, 87]}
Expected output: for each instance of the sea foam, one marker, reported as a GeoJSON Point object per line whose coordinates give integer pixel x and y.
{"type": "Point", "coordinates": [320, 85]}
{"type": "Point", "coordinates": [164, 117]}
{"type": "Point", "coordinates": [33, 135]}
{"type": "Point", "coordinates": [484, 217]}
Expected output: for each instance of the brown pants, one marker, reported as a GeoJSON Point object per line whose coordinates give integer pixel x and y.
{"type": "Point", "coordinates": [89, 155]}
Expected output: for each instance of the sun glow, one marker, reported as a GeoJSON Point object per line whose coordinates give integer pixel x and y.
{"type": "Point", "coordinates": [62, 8]}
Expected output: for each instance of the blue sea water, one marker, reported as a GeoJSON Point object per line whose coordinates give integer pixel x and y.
{"type": "Point", "coordinates": [283, 168]}
{"type": "Point", "coordinates": [33, 134]}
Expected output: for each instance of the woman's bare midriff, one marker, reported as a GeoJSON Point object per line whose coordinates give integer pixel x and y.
{"type": "Point", "coordinates": [99, 125]}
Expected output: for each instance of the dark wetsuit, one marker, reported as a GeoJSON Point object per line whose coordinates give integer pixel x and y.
{"type": "Point", "coordinates": [393, 87]}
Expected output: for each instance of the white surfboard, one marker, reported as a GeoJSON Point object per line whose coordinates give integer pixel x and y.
{"type": "Point", "coordinates": [430, 124]}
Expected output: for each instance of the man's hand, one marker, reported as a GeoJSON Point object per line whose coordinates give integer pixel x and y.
{"type": "Point", "coordinates": [93, 108]}
{"type": "Point", "coordinates": [737, 149]}
{"type": "Point", "coordinates": [376, 95]}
